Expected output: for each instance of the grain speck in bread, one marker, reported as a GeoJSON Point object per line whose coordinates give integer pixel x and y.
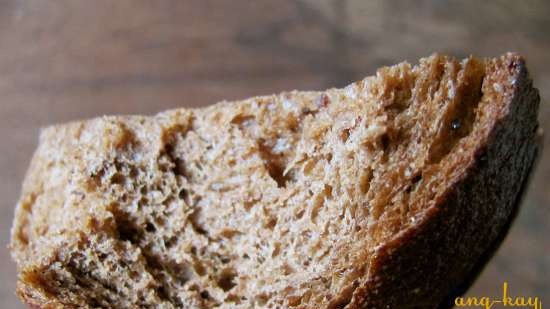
{"type": "Point", "coordinates": [383, 194]}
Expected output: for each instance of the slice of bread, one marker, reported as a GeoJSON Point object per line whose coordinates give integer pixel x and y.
{"type": "Point", "coordinates": [383, 194]}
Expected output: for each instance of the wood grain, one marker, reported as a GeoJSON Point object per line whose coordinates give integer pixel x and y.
{"type": "Point", "coordinates": [65, 60]}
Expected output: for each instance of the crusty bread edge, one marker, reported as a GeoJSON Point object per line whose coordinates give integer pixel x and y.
{"type": "Point", "coordinates": [432, 265]}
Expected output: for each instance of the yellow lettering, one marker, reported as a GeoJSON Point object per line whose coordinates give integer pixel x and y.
{"type": "Point", "coordinates": [534, 302]}
{"type": "Point", "coordinates": [507, 301]}
{"type": "Point", "coordinates": [505, 298]}
{"type": "Point", "coordinates": [486, 302]}
{"type": "Point", "coordinates": [475, 301]}
{"type": "Point", "coordinates": [520, 301]}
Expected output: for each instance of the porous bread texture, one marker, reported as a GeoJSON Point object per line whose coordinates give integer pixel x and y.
{"type": "Point", "coordinates": [279, 201]}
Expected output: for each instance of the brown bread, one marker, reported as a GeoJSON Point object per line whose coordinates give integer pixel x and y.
{"type": "Point", "coordinates": [383, 194]}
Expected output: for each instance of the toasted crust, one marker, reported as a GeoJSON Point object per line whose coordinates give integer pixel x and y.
{"type": "Point", "coordinates": [423, 265]}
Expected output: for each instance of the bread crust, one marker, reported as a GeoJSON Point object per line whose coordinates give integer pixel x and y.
{"type": "Point", "coordinates": [428, 262]}
{"type": "Point", "coordinates": [434, 257]}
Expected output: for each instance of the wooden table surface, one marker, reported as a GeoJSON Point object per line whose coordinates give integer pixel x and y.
{"type": "Point", "coordinates": [65, 60]}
